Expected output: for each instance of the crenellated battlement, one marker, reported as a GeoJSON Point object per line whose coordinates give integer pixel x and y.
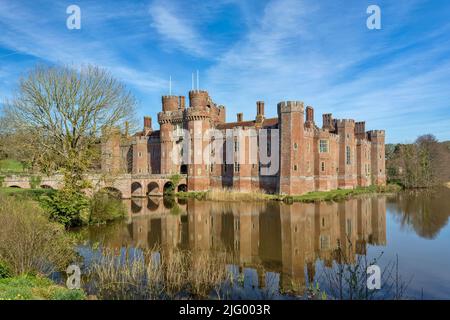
{"type": "Point", "coordinates": [290, 106]}
{"type": "Point", "coordinates": [374, 134]}
{"type": "Point", "coordinates": [345, 123]}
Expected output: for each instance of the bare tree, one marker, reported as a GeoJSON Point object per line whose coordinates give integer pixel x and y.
{"type": "Point", "coordinates": [60, 113]}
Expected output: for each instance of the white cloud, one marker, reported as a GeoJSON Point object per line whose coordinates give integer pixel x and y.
{"type": "Point", "coordinates": [177, 32]}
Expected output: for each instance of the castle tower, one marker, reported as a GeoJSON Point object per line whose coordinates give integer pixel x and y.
{"type": "Point", "coordinates": [378, 166]}
{"type": "Point", "coordinates": [347, 153]}
{"type": "Point", "coordinates": [140, 155]}
{"type": "Point", "coordinates": [198, 124]}
{"type": "Point", "coordinates": [291, 146]}
{"type": "Point", "coordinates": [169, 120]}
{"type": "Point", "coordinates": [111, 155]}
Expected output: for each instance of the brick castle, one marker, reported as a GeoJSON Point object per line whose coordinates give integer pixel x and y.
{"type": "Point", "coordinates": [340, 154]}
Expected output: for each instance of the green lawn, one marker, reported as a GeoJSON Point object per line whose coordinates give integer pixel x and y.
{"type": "Point", "coordinates": [27, 287]}
{"type": "Point", "coordinates": [11, 166]}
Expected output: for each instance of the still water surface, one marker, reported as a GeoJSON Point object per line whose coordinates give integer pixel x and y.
{"type": "Point", "coordinates": [295, 243]}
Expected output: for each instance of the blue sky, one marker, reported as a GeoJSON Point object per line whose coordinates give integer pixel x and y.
{"type": "Point", "coordinates": [320, 52]}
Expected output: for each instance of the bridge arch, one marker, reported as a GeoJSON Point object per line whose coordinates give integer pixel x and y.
{"type": "Point", "coordinates": [116, 193]}
{"type": "Point", "coordinates": [182, 187]}
{"type": "Point", "coordinates": [46, 186]}
{"type": "Point", "coordinates": [136, 189]}
{"type": "Point", "coordinates": [136, 205]}
{"type": "Point", "coordinates": [153, 188]}
{"type": "Point", "coordinates": [168, 187]}
{"type": "Point", "coordinates": [153, 203]}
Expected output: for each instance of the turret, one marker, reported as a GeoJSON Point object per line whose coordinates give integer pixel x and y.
{"type": "Point", "coordinates": [198, 99]}
{"type": "Point", "coordinates": [291, 143]}
{"type": "Point", "coordinates": [378, 158]}
{"type": "Point", "coordinates": [360, 130]}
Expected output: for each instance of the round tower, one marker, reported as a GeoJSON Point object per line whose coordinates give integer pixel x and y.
{"type": "Point", "coordinates": [198, 99]}
{"type": "Point", "coordinates": [170, 103]}
{"type": "Point", "coordinates": [198, 124]}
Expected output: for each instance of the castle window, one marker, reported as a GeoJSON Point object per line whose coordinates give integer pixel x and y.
{"type": "Point", "coordinates": [211, 168]}
{"type": "Point", "coordinates": [295, 146]}
{"type": "Point", "coordinates": [237, 167]}
{"type": "Point", "coordinates": [199, 171]}
{"type": "Point", "coordinates": [139, 154]}
{"type": "Point", "coordinates": [348, 155]}
{"type": "Point", "coordinates": [178, 130]}
{"type": "Point", "coordinates": [295, 167]}
{"type": "Point", "coordinates": [309, 166]}
{"type": "Point", "coordinates": [236, 145]}
{"type": "Point", "coordinates": [309, 146]}
{"type": "Point", "coordinates": [323, 146]}
{"type": "Point", "coordinates": [324, 242]}
{"type": "Point", "coordinates": [323, 166]}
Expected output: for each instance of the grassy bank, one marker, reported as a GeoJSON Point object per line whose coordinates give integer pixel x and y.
{"type": "Point", "coordinates": [31, 194]}
{"type": "Point", "coordinates": [26, 287]}
{"type": "Point", "coordinates": [334, 195]}
{"type": "Point", "coordinates": [11, 166]}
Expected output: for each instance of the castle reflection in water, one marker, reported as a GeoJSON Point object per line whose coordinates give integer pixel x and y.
{"type": "Point", "coordinates": [287, 239]}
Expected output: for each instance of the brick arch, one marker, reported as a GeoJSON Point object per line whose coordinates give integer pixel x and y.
{"type": "Point", "coordinates": [153, 188]}
{"type": "Point", "coordinates": [113, 191]}
{"type": "Point", "coordinates": [137, 189]}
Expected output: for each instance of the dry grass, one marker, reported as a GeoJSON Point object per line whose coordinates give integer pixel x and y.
{"type": "Point", "coordinates": [227, 195]}
{"type": "Point", "coordinates": [29, 243]}
{"type": "Point", "coordinates": [175, 274]}
{"type": "Point", "coordinates": [447, 184]}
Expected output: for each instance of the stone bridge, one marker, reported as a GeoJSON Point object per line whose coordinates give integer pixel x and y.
{"type": "Point", "coordinates": [128, 185]}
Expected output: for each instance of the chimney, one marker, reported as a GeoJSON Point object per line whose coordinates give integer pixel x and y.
{"type": "Point", "coordinates": [182, 102]}
{"type": "Point", "coordinates": [147, 123]}
{"type": "Point", "coordinates": [327, 120]}
{"type": "Point", "coordinates": [240, 116]}
{"type": "Point", "coordinates": [259, 108]}
{"type": "Point", "coordinates": [309, 114]}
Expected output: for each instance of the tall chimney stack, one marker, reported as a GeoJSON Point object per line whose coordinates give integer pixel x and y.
{"type": "Point", "coordinates": [240, 116]}
{"type": "Point", "coordinates": [147, 123]}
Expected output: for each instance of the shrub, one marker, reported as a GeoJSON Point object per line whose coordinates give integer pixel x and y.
{"type": "Point", "coordinates": [29, 243]}
{"type": "Point", "coordinates": [2, 179]}
{"type": "Point", "coordinates": [105, 207]}
{"type": "Point", "coordinates": [70, 208]}
{"type": "Point", "coordinates": [35, 182]}
{"type": "Point", "coordinates": [5, 272]}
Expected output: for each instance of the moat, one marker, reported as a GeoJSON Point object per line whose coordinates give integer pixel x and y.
{"type": "Point", "coordinates": [287, 247]}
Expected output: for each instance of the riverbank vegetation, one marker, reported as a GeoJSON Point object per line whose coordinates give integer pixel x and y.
{"type": "Point", "coordinates": [32, 248]}
{"type": "Point", "coordinates": [333, 195]}
{"type": "Point", "coordinates": [422, 164]}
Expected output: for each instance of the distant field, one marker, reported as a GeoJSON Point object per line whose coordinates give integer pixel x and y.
{"type": "Point", "coordinates": [10, 165]}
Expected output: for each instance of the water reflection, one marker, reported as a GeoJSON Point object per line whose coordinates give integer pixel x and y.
{"type": "Point", "coordinates": [426, 211]}
{"type": "Point", "coordinates": [265, 237]}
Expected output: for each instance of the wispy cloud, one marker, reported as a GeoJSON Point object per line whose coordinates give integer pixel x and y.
{"type": "Point", "coordinates": [176, 32]}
